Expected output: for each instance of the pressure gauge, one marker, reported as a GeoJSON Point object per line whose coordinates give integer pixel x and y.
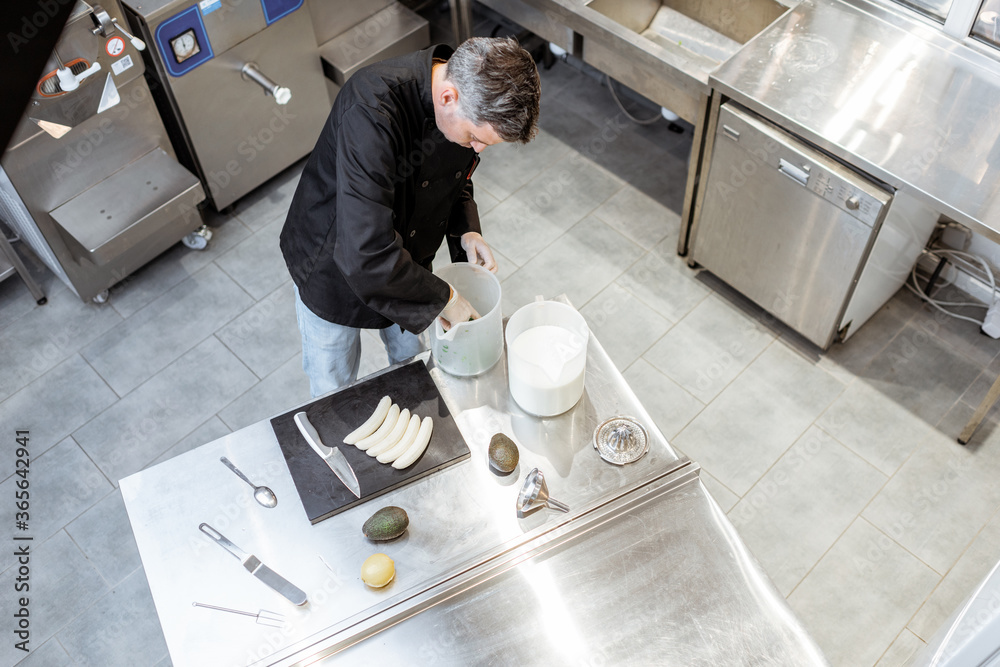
{"type": "Point", "coordinates": [184, 45]}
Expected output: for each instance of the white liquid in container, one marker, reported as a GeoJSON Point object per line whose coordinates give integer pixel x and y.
{"type": "Point", "coordinates": [547, 369]}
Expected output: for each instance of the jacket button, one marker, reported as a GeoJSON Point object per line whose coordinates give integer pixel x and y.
{"type": "Point", "coordinates": [413, 233]}
{"type": "Point", "coordinates": [441, 224]}
{"type": "Point", "coordinates": [425, 184]}
{"type": "Point", "coordinates": [458, 174]}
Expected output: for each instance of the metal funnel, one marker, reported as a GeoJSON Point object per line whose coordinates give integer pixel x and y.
{"type": "Point", "coordinates": [535, 494]}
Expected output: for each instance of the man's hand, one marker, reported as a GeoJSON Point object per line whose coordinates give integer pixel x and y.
{"type": "Point", "coordinates": [477, 250]}
{"type": "Point", "coordinates": [457, 311]}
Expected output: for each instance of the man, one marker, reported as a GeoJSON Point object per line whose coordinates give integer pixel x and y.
{"type": "Point", "coordinates": [390, 177]}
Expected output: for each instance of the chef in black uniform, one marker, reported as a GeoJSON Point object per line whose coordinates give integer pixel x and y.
{"type": "Point", "coordinates": [389, 179]}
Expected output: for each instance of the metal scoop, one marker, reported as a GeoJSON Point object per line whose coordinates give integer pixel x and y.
{"type": "Point", "coordinates": [535, 493]}
{"type": "Point", "coordinates": [261, 494]}
{"type": "Point", "coordinates": [263, 616]}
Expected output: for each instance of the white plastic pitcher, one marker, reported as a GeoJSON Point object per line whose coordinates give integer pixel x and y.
{"type": "Point", "coordinates": [546, 357]}
{"type": "Point", "coordinates": [470, 348]}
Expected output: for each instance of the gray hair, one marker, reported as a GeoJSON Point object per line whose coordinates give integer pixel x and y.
{"type": "Point", "coordinates": [497, 83]}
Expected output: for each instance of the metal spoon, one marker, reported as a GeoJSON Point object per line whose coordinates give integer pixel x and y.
{"type": "Point", "coordinates": [261, 494]}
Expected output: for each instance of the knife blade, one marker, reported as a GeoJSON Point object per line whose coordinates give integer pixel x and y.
{"type": "Point", "coordinates": [252, 564]}
{"type": "Point", "coordinates": [334, 458]}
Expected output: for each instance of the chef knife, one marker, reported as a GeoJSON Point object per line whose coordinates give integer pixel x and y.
{"type": "Point", "coordinates": [333, 456]}
{"type": "Point", "coordinates": [253, 565]}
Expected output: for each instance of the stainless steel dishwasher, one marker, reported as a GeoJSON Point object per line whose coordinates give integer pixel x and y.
{"type": "Point", "coordinates": [793, 229]}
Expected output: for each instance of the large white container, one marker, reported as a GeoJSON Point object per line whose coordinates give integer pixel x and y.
{"type": "Point", "coordinates": [470, 348]}
{"type": "Point", "coordinates": [546, 357]}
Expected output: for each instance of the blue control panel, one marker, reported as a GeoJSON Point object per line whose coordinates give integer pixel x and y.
{"type": "Point", "coordinates": [183, 42]}
{"type": "Point", "coordinates": [275, 9]}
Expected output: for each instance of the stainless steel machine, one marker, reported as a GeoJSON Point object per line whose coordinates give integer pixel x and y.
{"type": "Point", "coordinates": [90, 181]}
{"type": "Point", "coordinates": [238, 83]}
{"type": "Point", "coordinates": [817, 244]}
{"type": "Point", "coordinates": [354, 34]}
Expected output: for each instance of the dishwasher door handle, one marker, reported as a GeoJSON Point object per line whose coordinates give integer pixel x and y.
{"type": "Point", "coordinates": [798, 174]}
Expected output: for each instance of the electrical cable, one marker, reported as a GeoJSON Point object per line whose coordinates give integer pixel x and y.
{"type": "Point", "coordinates": [638, 121]}
{"type": "Point", "coordinates": [956, 257]}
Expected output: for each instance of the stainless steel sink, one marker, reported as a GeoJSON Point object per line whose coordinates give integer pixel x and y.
{"type": "Point", "coordinates": [663, 49]}
{"type": "Point", "coordinates": [715, 29]}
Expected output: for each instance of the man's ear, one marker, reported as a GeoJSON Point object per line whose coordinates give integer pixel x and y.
{"type": "Point", "coordinates": [448, 95]}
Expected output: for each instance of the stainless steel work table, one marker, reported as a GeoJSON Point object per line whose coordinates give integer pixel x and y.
{"type": "Point", "coordinates": [886, 93]}
{"type": "Point", "coordinates": [646, 567]}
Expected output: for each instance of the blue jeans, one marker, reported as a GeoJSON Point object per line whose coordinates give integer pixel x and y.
{"type": "Point", "coordinates": [331, 353]}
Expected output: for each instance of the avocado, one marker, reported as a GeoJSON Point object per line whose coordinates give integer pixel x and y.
{"type": "Point", "coordinates": [503, 453]}
{"type": "Point", "coordinates": [386, 524]}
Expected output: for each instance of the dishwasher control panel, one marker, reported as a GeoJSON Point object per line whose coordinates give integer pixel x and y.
{"type": "Point", "coordinates": [770, 147]}
{"type": "Point", "coordinates": [846, 196]}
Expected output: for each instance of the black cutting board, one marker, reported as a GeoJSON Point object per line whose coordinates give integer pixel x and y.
{"type": "Point", "coordinates": [323, 494]}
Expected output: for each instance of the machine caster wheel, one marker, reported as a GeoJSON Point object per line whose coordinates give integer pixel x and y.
{"type": "Point", "coordinates": [102, 297]}
{"type": "Point", "coordinates": [198, 239]}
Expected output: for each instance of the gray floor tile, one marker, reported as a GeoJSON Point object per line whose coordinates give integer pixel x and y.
{"type": "Point", "coordinates": [63, 483]}
{"type": "Point", "coordinates": [265, 335]}
{"type": "Point", "coordinates": [726, 498]}
{"type": "Point", "coordinates": [174, 266]}
{"type": "Point", "coordinates": [506, 167]}
{"type": "Point", "coordinates": [150, 340]}
{"type": "Point", "coordinates": [671, 407]}
{"type": "Point", "coordinates": [638, 216]}
{"type": "Point", "coordinates": [850, 359]}
{"type": "Point", "coordinates": [559, 76]}
{"type": "Point", "coordinates": [485, 201]}
{"type": "Point", "coordinates": [904, 647]}
{"type": "Point", "coordinates": [565, 124]}
{"type": "Point", "coordinates": [802, 505]}
{"type": "Point", "coordinates": [16, 300]}
{"type": "Point", "coordinates": [582, 263]}
{"type": "Point", "coordinates": [134, 431]}
{"type": "Point", "coordinates": [671, 290]}
{"type": "Point", "coordinates": [874, 426]}
{"type": "Point", "coordinates": [572, 188]}
{"type": "Point", "coordinates": [271, 200]}
{"type": "Point", "coordinates": [120, 629]}
{"type": "Point", "coordinates": [537, 214]}
{"type": "Point", "coordinates": [709, 347]}
{"type": "Point", "coordinates": [213, 429]}
{"type": "Point", "coordinates": [750, 425]}
{"type": "Point", "coordinates": [860, 595]}
{"type": "Point", "coordinates": [55, 405]}
{"type": "Point", "coordinates": [49, 654]}
{"type": "Point", "coordinates": [976, 392]}
{"type": "Point", "coordinates": [519, 230]}
{"type": "Point", "coordinates": [282, 390]}
{"type": "Point", "coordinates": [43, 338]}
{"type": "Point", "coordinates": [922, 373]}
{"type": "Point", "coordinates": [104, 535]}
{"type": "Point", "coordinates": [63, 586]}
{"type": "Point", "coordinates": [963, 336]}
{"type": "Point", "coordinates": [941, 498]}
{"type": "Point", "coordinates": [625, 326]}
{"type": "Point", "coordinates": [256, 263]}
{"type": "Point", "coordinates": [970, 569]}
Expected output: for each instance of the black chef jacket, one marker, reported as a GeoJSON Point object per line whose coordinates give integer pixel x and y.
{"type": "Point", "coordinates": [376, 197]}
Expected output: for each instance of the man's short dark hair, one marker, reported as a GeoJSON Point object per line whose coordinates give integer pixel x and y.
{"type": "Point", "coordinates": [497, 83]}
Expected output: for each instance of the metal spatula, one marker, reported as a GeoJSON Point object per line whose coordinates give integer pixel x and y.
{"type": "Point", "coordinates": [263, 616]}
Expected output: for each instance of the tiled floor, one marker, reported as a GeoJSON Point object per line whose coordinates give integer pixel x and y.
{"type": "Point", "coordinates": [840, 470]}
